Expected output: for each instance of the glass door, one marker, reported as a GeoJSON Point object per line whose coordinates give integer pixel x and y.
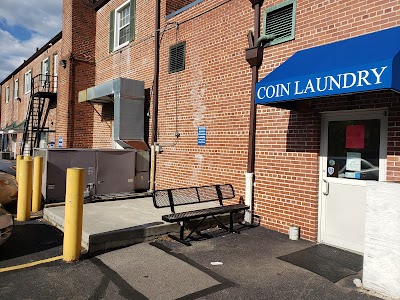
{"type": "Point", "coordinates": [353, 151]}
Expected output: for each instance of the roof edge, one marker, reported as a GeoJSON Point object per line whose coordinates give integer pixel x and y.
{"type": "Point", "coordinates": [99, 4]}
{"type": "Point", "coordinates": [54, 40]}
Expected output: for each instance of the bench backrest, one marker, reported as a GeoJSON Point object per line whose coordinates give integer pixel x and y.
{"type": "Point", "coordinates": [183, 196]}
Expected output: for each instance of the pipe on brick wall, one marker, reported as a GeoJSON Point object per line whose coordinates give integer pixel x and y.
{"type": "Point", "coordinates": [155, 94]}
{"type": "Point", "coordinates": [249, 192]}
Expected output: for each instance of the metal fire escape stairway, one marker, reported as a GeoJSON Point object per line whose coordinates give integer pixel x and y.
{"type": "Point", "coordinates": [43, 97]}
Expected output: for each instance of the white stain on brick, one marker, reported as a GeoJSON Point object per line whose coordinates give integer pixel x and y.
{"type": "Point", "coordinates": [197, 93]}
{"type": "Point", "coordinates": [197, 168]}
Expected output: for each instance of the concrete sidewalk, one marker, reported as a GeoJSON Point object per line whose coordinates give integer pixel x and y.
{"type": "Point", "coordinates": [112, 224]}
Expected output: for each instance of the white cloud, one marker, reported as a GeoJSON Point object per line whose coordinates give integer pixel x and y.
{"type": "Point", "coordinates": [42, 18]}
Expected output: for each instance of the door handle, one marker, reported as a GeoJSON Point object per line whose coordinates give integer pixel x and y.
{"type": "Point", "coordinates": [326, 193]}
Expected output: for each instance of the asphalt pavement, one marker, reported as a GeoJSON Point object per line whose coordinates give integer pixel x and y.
{"type": "Point", "coordinates": [30, 241]}
{"type": "Point", "coordinates": [225, 266]}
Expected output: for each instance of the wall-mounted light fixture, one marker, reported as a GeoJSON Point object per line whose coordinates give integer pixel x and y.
{"type": "Point", "coordinates": [63, 63]}
{"type": "Point", "coordinates": [19, 99]}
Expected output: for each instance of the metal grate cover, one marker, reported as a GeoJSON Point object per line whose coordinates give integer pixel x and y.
{"type": "Point", "coordinates": [177, 57]}
{"type": "Point", "coordinates": [279, 22]}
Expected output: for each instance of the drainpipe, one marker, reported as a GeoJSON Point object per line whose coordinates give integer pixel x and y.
{"type": "Point", "coordinates": [71, 116]}
{"type": "Point", "coordinates": [254, 57]}
{"type": "Point", "coordinates": [155, 95]}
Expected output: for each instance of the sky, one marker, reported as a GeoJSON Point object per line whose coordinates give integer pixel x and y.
{"type": "Point", "coordinates": [25, 25]}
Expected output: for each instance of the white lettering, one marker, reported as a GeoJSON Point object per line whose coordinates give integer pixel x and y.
{"type": "Point", "coordinates": [378, 75]}
{"type": "Point", "coordinates": [258, 92]}
{"type": "Point", "coordinates": [345, 83]}
{"type": "Point", "coordinates": [270, 88]}
{"type": "Point", "coordinates": [333, 80]}
{"type": "Point", "coordinates": [284, 88]}
{"type": "Point", "coordinates": [362, 77]}
{"type": "Point", "coordinates": [321, 84]}
{"type": "Point", "coordinates": [309, 86]}
{"type": "Point", "coordinates": [297, 92]}
{"type": "Point", "coordinates": [318, 84]}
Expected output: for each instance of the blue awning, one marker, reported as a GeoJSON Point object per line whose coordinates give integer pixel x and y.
{"type": "Point", "coordinates": [364, 63]}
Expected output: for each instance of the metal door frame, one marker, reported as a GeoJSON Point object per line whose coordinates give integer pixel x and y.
{"type": "Point", "coordinates": [359, 114]}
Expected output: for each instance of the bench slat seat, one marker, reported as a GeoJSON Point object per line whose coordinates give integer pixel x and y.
{"type": "Point", "coordinates": [182, 216]}
{"type": "Point", "coordinates": [195, 195]}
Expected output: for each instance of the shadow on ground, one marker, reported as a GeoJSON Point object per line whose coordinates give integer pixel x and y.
{"type": "Point", "coordinates": [30, 241]}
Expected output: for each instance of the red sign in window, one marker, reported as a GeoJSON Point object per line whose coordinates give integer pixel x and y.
{"type": "Point", "coordinates": [355, 136]}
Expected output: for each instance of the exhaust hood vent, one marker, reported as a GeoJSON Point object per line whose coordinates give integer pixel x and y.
{"type": "Point", "coordinates": [128, 98]}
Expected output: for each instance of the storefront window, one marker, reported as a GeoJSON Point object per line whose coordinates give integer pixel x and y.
{"type": "Point", "coordinates": [353, 149]}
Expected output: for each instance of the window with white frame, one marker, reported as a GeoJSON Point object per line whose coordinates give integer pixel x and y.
{"type": "Point", "coordinates": [45, 72]}
{"type": "Point", "coordinates": [122, 32]}
{"type": "Point", "coordinates": [16, 89]}
{"type": "Point", "coordinates": [55, 71]}
{"type": "Point", "coordinates": [7, 94]}
{"type": "Point", "coordinates": [122, 28]}
{"type": "Point", "coordinates": [27, 82]}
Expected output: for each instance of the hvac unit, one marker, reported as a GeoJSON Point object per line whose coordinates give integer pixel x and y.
{"type": "Point", "coordinates": [107, 171]}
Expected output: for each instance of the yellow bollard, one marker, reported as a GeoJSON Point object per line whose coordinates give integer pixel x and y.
{"type": "Point", "coordinates": [73, 214]}
{"type": "Point", "coordinates": [37, 183]}
{"type": "Point", "coordinates": [19, 158]}
{"type": "Point", "coordinates": [24, 190]}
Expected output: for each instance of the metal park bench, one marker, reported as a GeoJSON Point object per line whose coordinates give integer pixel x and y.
{"type": "Point", "coordinates": [186, 196]}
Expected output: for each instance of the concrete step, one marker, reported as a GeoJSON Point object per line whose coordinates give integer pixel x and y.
{"type": "Point", "coordinates": [112, 224]}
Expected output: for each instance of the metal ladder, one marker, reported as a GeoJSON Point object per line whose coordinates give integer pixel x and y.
{"type": "Point", "coordinates": [37, 112]}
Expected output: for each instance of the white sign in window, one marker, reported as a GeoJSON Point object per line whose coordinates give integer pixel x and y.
{"type": "Point", "coordinates": [353, 161]}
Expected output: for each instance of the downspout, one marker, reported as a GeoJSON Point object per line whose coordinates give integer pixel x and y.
{"type": "Point", "coordinates": [155, 95]}
{"type": "Point", "coordinates": [254, 58]}
{"type": "Point", "coordinates": [71, 115]}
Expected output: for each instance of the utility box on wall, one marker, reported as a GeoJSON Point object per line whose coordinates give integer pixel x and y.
{"type": "Point", "coordinates": [106, 171]}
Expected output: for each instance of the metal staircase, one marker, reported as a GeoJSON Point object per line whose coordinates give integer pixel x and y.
{"type": "Point", "coordinates": [43, 97]}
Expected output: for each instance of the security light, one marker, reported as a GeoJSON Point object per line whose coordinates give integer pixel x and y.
{"type": "Point", "coordinates": [63, 63]}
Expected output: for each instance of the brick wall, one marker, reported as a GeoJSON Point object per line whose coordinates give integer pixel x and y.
{"type": "Point", "coordinates": [16, 111]}
{"type": "Point", "coordinates": [75, 122]}
{"type": "Point", "coordinates": [214, 91]}
{"type": "Point", "coordinates": [287, 157]}
{"type": "Point", "coordinates": [134, 61]}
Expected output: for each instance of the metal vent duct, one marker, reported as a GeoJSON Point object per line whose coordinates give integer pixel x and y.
{"type": "Point", "coordinates": [128, 98]}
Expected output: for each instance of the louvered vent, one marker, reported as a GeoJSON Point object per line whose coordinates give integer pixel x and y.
{"type": "Point", "coordinates": [280, 22]}
{"type": "Point", "coordinates": [177, 58]}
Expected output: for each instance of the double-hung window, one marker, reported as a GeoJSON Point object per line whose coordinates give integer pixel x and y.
{"type": "Point", "coordinates": [7, 94]}
{"type": "Point", "coordinates": [27, 82]}
{"type": "Point", "coordinates": [45, 73]}
{"type": "Point", "coordinates": [122, 32]}
{"type": "Point", "coordinates": [55, 72]}
{"type": "Point", "coordinates": [16, 89]}
{"type": "Point", "coordinates": [122, 25]}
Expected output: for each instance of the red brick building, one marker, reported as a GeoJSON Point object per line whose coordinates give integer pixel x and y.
{"type": "Point", "coordinates": [37, 73]}
{"type": "Point", "coordinates": [204, 91]}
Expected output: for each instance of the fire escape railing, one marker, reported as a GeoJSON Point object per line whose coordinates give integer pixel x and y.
{"type": "Point", "coordinates": [43, 89]}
